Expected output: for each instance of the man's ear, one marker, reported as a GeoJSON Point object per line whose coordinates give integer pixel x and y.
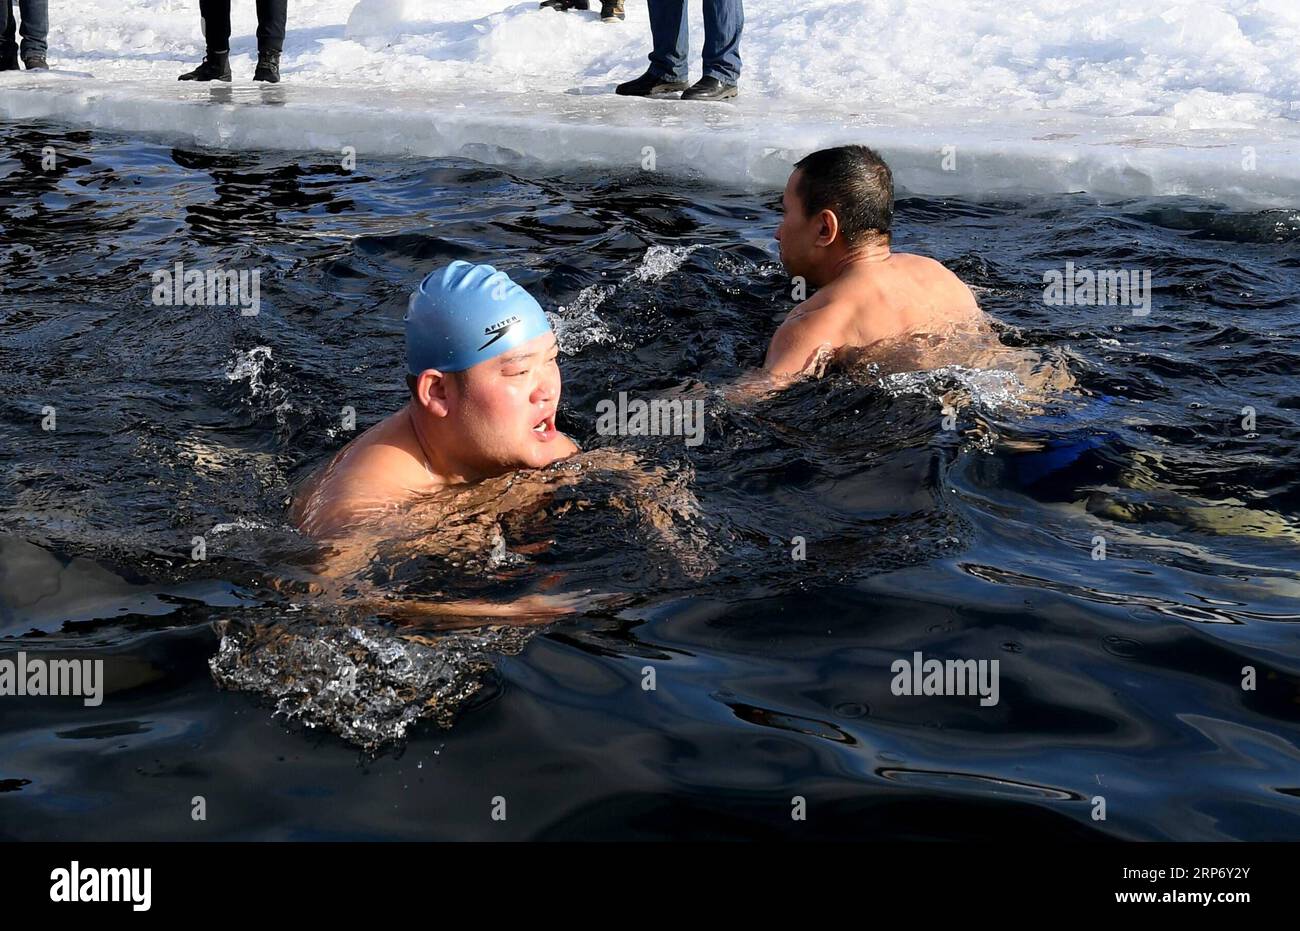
{"type": "Point", "coordinates": [431, 392]}
{"type": "Point", "coordinates": [829, 228]}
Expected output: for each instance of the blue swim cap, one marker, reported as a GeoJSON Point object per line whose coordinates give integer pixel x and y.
{"type": "Point", "coordinates": [465, 314]}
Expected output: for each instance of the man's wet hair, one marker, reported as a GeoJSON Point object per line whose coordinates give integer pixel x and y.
{"type": "Point", "coordinates": [854, 182]}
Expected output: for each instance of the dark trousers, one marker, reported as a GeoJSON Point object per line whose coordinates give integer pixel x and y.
{"type": "Point", "coordinates": [271, 16]}
{"type": "Point", "coordinates": [36, 26]}
{"type": "Point", "coordinates": [724, 20]}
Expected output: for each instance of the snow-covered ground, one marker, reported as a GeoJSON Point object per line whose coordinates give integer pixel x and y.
{"type": "Point", "coordinates": [1114, 97]}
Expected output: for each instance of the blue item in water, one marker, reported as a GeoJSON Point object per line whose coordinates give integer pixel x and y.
{"type": "Point", "coordinates": [1061, 452]}
{"type": "Point", "coordinates": [465, 314]}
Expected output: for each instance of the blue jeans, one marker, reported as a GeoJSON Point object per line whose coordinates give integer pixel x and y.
{"type": "Point", "coordinates": [723, 22]}
{"type": "Point", "coordinates": [36, 25]}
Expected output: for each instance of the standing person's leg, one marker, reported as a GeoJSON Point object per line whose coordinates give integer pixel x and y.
{"type": "Point", "coordinates": [216, 24]}
{"type": "Point", "coordinates": [723, 22]}
{"type": "Point", "coordinates": [272, 16]}
{"type": "Point", "coordinates": [35, 27]}
{"type": "Point", "coordinates": [216, 36]}
{"type": "Point", "coordinates": [8, 47]}
{"type": "Point", "coordinates": [668, 67]}
{"type": "Point", "coordinates": [668, 29]}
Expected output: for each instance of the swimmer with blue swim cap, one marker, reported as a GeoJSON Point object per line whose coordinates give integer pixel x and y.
{"type": "Point", "coordinates": [484, 384]}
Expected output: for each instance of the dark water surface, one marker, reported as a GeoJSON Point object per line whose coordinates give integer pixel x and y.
{"type": "Point", "coordinates": [1120, 678]}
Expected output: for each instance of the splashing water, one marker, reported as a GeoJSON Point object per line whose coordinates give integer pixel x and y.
{"type": "Point", "coordinates": [661, 261]}
{"type": "Point", "coordinates": [251, 366]}
{"type": "Point", "coordinates": [360, 681]}
{"type": "Point", "coordinates": [577, 325]}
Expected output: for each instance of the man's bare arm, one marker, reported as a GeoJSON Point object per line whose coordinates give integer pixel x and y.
{"type": "Point", "coordinates": [799, 341]}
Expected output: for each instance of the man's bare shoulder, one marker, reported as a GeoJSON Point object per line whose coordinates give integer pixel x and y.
{"type": "Point", "coordinates": [917, 261]}
{"type": "Point", "coordinates": [831, 305]}
{"type": "Point", "coordinates": [932, 273]}
{"type": "Point", "coordinates": [376, 468]}
{"type": "Point", "coordinates": [386, 449]}
{"type": "Point", "coordinates": [823, 315]}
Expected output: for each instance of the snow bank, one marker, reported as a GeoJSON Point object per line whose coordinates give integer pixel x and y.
{"type": "Point", "coordinates": [965, 96]}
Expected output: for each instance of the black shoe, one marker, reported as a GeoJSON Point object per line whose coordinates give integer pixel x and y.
{"type": "Point", "coordinates": [268, 67]}
{"type": "Point", "coordinates": [709, 89]}
{"type": "Point", "coordinates": [215, 67]}
{"type": "Point", "coordinates": [649, 84]}
{"type": "Point", "coordinates": [611, 11]}
{"type": "Point", "coordinates": [36, 63]}
{"type": "Point", "coordinates": [563, 5]}
{"type": "Point", "coordinates": [9, 59]}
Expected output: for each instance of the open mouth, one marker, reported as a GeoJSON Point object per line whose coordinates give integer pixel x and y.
{"type": "Point", "coordinates": [544, 429]}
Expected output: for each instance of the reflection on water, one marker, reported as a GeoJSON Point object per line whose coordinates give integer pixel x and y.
{"type": "Point", "coordinates": [732, 609]}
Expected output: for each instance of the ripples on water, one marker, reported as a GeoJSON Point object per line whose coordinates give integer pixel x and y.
{"type": "Point", "coordinates": [1119, 677]}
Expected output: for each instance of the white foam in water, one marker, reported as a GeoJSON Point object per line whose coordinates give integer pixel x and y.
{"type": "Point", "coordinates": [577, 325]}
{"type": "Point", "coordinates": [990, 390]}
{"type": "Point", "coordinates": [1196, 97]}
{"type": "Point", "coordinates": [251, 365]}
{"type": "Point", "coordinates": [660, 261]}
{"type": "Point", "coordinates": [239, 524]}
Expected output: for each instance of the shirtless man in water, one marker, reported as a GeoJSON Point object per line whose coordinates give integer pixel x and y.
{"type": "Point", "coordinates": [484, 384]}
{"type": "Point", "coordinates": [835, 235]}
{"type": "Point", "coordinates": [471, 444]}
